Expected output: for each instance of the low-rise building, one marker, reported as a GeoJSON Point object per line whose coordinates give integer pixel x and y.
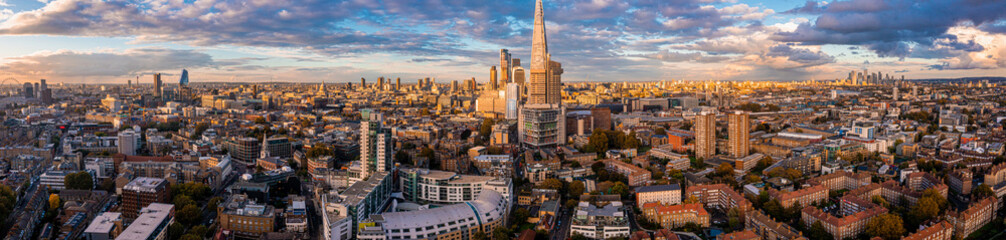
{"type": "Point", "coordinates": [637, 176]}
{"type": "Point", "coordinates": [673, 216]}
{"type": "Point", "coordinates": [719, 196]}
{"type": "Point", "coordinates": [665, 194]}
{"type": "Point", "coordinates": [804, 197]}
{"type": "Point", "coordinates": [244, 217]}
{"type": "Point", "coordinates": [106, 226]}
{"type": "Point", "coordinates": [857, 213]}
{"type": "Point", "coordinates": [151, 224]}
{"type": "Point", "coordinates": [939, 231]}
{"type": "Point", "coordinates": [769, 229]}
{"type": "Point", "coordinates": [602, 220]}
{"type": "Point", "coordinates": [977, 215]}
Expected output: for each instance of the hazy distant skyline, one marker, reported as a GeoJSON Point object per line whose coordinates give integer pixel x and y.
{"type": "Point", "coordinates": [96, 41]}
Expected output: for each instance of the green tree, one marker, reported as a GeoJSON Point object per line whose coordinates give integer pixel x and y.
{"type": "Point", "coordinates": [486, 129]}
{"type": "Point", "coordinates": [887, 226]}
{"type": "Point", "coordinates": [318, 150]}
{"type": "Point", "coordinates": [926, 208]}
{"type": "Point", "coordinates": [577, 236]}
{"type": "Point", "coordinates": [982, 191]}
{"type": "Point", "coordinates": [520, 215]}
{"type": "Point", "coordinates": [175, 231]}
{"type": "Point", "coordinates": [621, 189]}
{"type": "Point", "coordinates": [762, 164]}
{"type": "Point", "coordinates": [7, 201]}
{"type": "Point", "coordinates": [183, 200]}
{"type": "Point", "coordinates": [190, 237]}
{"type": "Point", "coordinates": [79, 180]}
{"type": "Point", "coordinates": [817, 232]}
{"type": "Point", "coordinates": [551, 183]}
{"type": "Point", "coordinates": [576, 188]}
{"type": "Point", "coordinates": [480, 235]}
{"type": "Point", "coordinates": [189, 215]}
{"type": "Point", "coordinates": [724, 169]}
{"type": "Point", "coordinates": [598, 141]}
{"type": "Point", "coordinates": [501, 233]}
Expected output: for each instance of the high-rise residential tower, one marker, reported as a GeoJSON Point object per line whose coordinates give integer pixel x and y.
{"type": "Point", "coordinates": [705, 134]}
{"type": "Point", "coordinates": [739, 128]}
{"type": "Point", "coordinates": [375, 143]}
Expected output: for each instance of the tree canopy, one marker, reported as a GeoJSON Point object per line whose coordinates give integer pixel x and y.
{"type": "Point", "coordinates": [79, 181]}
{"type": "Point", "coordinates": [887, 226]}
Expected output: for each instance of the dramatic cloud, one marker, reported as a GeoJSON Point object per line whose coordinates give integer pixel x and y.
{"type": "Point", "coordinates": [888, 27]}
{"type": "Point", "coordinates": [111, 64]}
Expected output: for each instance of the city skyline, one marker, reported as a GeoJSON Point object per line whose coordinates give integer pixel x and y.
{"type": "Point", "coordinates": [79, 41]}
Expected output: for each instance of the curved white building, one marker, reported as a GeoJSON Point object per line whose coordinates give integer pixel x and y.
{"type": "Point", "coordinates": [458, 221]}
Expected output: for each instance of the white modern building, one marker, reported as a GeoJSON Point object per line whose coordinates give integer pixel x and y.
{"type": "Point", "coordinates": [151, 224]}
{"type": "Point", "coordinates": [442, 187]}
{"type": "Point", "coordinates": [596, 222]}
{"type": "Point", "coordinates": [457, 221]}
{"type": "Point", "coordinates": [129, 141]}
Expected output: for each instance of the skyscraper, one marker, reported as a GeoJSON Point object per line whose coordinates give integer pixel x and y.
{"type": "Point", "coordinates": [493, 82]}
{"type": "Point", "coordinates": [512, 100]}
{"type": "Point", "coordinates": [184, 80]}
{"type": "Point", "coordinates": [543, 86]}
{"type": "Point", "coordinates": [363, 83]}
{"type": "Point", "coordinates": [375, 143]}
{"type": "Point", "coordinates": [398, 84]}
{"type": "Point", "coordinates": [157, 84]}
{"type": "Point", "coordinates": [541, 120]}
{"type": "Point", "coordinates": [739, 128]}
{"type": "Point", "coordinates": [705, 134]}
{"type": "Point", "coordinates": [518, 72]}
{"type": "Point", "coordinates": [505, 67]}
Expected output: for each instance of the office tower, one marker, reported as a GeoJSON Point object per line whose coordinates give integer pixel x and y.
{"type": "Point", "coordinates": [157, 85]}
{"type": "Point", "coordinates": [740, 127]}
{"type": "Point", "coordinates": [129, 83]}
{"type": "Point", "coordinates": [554, 95]}
{"type": "Point", "coordinates": [398, 84]}
{"type": "Point", "coordinates": [129, 141]}
{"type": "Point", "coordinates": [705, 134]}
{"type": "Point", "coordinates": [380, 82]}
{"type": "Point", "coordinates": [505, 66]}
{"type": "Point", "coordinates": [454, 86]}
{"type": "Point", "coordinates": [512, 100]}
{"type": "Point", "coordinates": [29, 91]}
{"type": "Point", "coordinates": [42, 86]}
{"type": "Point", "coordinates": [543, 86]}
{"type": "Point", "coordinates": [141, 192]}
{"type": "Point", "coordinates": [894, 94]}
{"type": "Point", "coordinates": [493, 82]}
{"type": "Point", "coordinates": [518, 72]}
{"type": "Point", "coordinates": [184, 80]}
{"type": "Point", "coordinates": [541, 121]}
{"type": "Point", "coordinates": [375, 143]}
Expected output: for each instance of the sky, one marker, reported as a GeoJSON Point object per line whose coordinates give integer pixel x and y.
{"type": "Point", "coordinates": [96, 41]}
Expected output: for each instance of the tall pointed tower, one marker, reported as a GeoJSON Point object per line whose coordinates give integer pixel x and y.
{"type": "Point", "coordinates": [538, 82]}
